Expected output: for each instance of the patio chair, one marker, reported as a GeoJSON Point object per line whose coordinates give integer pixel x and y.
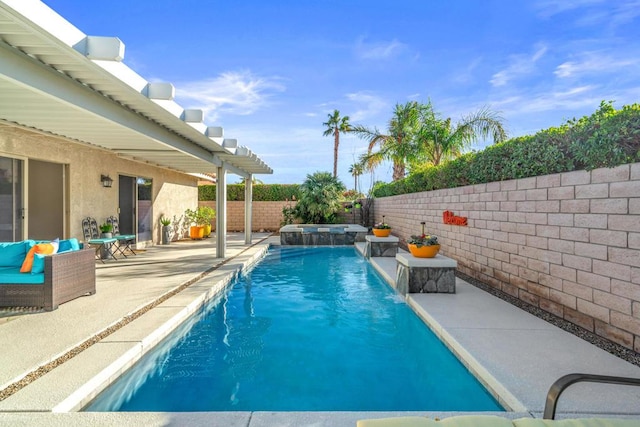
{"type": "Point", "coordinates": [103, 246]}
{"type": "Point", "coordinates": [124, 240]}
{"type": "Point", "coordinates": [561, 384]}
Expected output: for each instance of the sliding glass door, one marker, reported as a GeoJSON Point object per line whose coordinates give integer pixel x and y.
{"type": "Point", "coordinates": [11, 199]}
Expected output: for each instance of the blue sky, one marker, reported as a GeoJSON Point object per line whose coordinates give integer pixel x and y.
{"type": "Point", "coordinates": [269, 71]}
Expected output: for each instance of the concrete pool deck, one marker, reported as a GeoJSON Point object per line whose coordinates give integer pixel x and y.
{"type": "Point", "coordinates": [515, 353]}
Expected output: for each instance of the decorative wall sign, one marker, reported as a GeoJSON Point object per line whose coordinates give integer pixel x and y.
{"type": "Point", "coordinates": [450, 218]}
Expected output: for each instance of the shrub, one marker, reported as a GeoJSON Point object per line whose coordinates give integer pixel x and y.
{"type": "Point", "coordinates": [319, 200]}
{"type": "Point", "coordinates": [607, 138]}
{"type": "Point", "coordinates": [261, 192]}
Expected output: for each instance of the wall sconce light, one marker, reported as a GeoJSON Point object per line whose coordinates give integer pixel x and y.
{"type": "Point", "coordinates": [106, 181]}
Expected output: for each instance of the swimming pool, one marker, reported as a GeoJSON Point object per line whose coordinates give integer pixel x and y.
{"type": "Point", "coordinates": [282, 340]}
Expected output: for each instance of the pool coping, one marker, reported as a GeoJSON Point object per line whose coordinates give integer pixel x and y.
{"type": "Point", "coordinates": [517, 355]}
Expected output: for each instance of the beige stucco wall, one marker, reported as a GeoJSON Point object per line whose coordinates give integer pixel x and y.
{"type": "Point", "coordinates": [173, 192]}
{"type": "Point", "coordinates": [568, 243]}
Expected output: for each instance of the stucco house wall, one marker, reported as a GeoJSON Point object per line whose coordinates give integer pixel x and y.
{"type": "Point", "coordinates": [173, 192]}
{"type": "Point", "coordinates": [568, 243]}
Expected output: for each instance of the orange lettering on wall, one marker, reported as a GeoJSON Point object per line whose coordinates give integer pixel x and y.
{"type": "Point", "coordinates": [449, 217]}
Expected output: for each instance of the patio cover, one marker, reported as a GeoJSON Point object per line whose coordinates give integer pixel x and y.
{"type": "Point", "coordinates": [58, 80]}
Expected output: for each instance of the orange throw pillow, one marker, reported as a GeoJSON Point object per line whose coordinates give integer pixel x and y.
{"type": "Point", "coordinates": [40, 248]}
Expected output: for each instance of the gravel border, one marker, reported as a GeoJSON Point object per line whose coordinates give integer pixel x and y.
{"type": "Point", "coordinates": [611, 347]}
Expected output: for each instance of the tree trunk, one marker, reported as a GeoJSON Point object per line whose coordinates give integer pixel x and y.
{"type": "Point", "coordinates": [336, 143]}
{"type": "Point", "coordinates": [398, 171]}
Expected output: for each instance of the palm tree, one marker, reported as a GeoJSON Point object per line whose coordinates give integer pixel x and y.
{"type": "Point", "coordinates": [356, 170]}
{"type": "Point", "coordinates": [336, 124]}
{"type": "Point", "coordinates": [398, 144]}
{"type": "Point", "coordinates": [319, 198]}
{"type": "Point", "coordinates": [440, 141]}
{"type": "Point", "coordinates": [418, 136]}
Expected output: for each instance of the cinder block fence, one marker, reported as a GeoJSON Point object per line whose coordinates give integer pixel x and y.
{"type": "Point", "coordinates": [567, 243]}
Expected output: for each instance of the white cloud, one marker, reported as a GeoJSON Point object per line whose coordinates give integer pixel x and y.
{"type": "Point", "coordinates": [519, 65]}
{"type": "Point", "coordinates": [366, 106]}
{"type": "Point", "coordinates": [380, 50]}
{"type": "Point", "coordinates": [548, 8]}
{"type": "Point", "coordinates": [240, 93]}
{"type": "Point", "coordinates": [596, 62]}
{"type": "Point", "coordinates": [611, 14]}
{"type": "Point", "coordinates": [575, 98]}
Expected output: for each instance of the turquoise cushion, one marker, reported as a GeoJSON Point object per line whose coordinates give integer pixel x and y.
{"type": "Point", "coordinates": [68, 245]}
{"type": "Point", "coordinates": [125, 236]}
{"type": "Point", "coordinates": [21, 278]}
{"type": "Point", "coordinates": [38, 264]}
{"type": "Point", "coordinates": [12, 253]}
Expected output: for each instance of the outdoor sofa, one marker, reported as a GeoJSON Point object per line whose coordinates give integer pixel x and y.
{"type": "Point", "coordinates": [55, 279]}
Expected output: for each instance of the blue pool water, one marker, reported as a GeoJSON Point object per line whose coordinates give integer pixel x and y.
{"type": "Point", "coordinates": [307, 329]}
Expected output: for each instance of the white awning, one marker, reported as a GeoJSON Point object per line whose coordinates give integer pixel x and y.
{"type": "Point", "coordinates": [56, 79]}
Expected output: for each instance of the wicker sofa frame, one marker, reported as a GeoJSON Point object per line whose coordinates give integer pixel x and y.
{"type": "Point", "coordinates": [67, 276]}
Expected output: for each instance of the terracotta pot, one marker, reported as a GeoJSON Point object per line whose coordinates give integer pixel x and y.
{"type": "Point", "coordinates": [381, 232]}
{"type": "Point", "coordinates": [424, 251]}
{"type": "Point", "coordinates": [196, 232]}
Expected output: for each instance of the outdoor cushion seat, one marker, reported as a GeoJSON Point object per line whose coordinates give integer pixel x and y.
{"type": "Point", "coordinates": [459, 421]}
{"type": "Point", "coordinates": [495, 421]}
{"type": "Point", "coordinates": [14, 276]}
{"type": "Point", "coordinates": [549, 411]}
{"type": "Point", "coordinates": [54, 278]}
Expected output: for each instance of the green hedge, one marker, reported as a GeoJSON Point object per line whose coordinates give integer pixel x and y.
{"type": "Point", "coordinates": [607, 138]}
{"type": "Point", "coordinates": [261, 192]}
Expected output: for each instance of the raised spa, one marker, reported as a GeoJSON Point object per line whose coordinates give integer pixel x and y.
{"type": "Point", "coordinates": [322, 234]}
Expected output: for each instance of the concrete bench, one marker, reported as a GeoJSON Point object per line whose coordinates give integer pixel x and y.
{"type": "Point", "coordinates": [380, 246]}
{"type": "Point", "coordinates": [423, 275]}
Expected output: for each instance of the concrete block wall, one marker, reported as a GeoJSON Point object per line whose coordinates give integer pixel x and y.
{"type": "Point", "coordinates": [267, 216]}
{"type": "Point", "coordinates": [568, 243]}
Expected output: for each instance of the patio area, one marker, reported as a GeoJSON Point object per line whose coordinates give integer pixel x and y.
{"type": "Point", "coordinates": [139, 299]}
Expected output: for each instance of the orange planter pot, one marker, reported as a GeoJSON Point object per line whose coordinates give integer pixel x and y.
{"type": "Point", "coordinates": [196, 232]}
{"type": "Point", "coordinates": [381, 232]}
{"type": "Point", "coordinates": [424, 251]}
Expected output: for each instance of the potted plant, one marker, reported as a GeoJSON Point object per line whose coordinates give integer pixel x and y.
{"type": "Point", "coordinates": [423, 245]}
{"type": "Point", "coordinates": [105, 229]}
{"type": "Point", "coordinates": [205, 216]}
{"type": "Point", "coordinates": [357, 204]}
{"type": "Point", "coordinates": [196, 229]}
{"type": "Point", "coordinates": [166, 230]}
{"type": "Point", "coordinates": [382, 229]}
{"type": "Point", "coordinates": [347, 208]}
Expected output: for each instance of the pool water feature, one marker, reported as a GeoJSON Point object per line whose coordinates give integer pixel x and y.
{"type": "Point", "coordinates": [322, 234]}
{"type": "Point", "coordinates": [308, 329]}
